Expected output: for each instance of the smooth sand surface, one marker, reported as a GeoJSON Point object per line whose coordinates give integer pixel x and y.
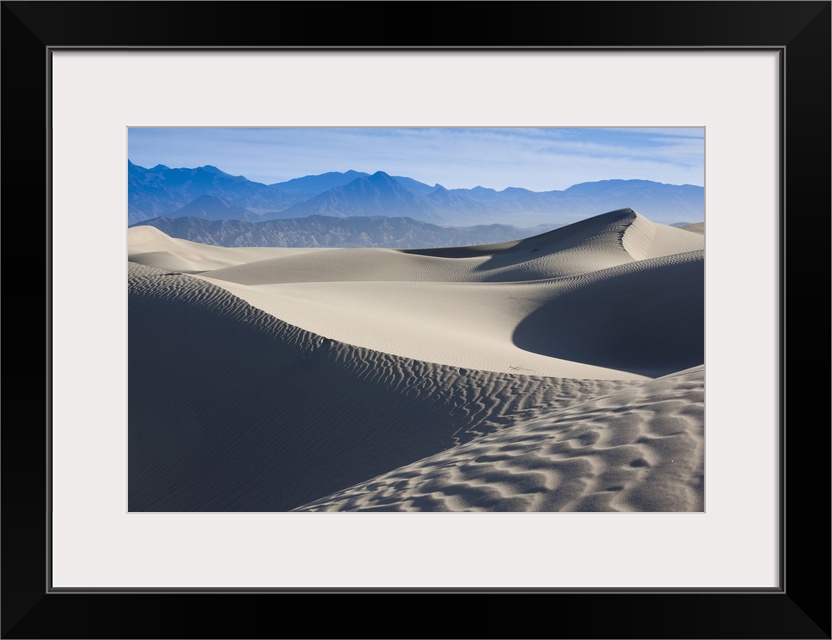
{"type": "Point", "coordinates": [542, 374]}
{"type": "Point", "coordinates": [696, 227]}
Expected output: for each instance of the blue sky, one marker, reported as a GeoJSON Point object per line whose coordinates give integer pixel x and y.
{"type": "Point", "coordinates": [536, 159]}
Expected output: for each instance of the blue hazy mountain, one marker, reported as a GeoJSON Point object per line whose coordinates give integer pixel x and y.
{"type": "Point", "coordinates": [664, 203]}
{"type": "Point", "coordinates": [213, 208]}
{"type": "Point", "coordinates": [382, 195]}
{"type": "Point", "coordinates": [313, 185]}
{"type": "Point", "coordinates": [161, 190]}
{"type": "Point", "coordinates": [324, 231]}
{"type": "Point", "coordinates": [415, 185]}
{"type": "Point", "coordinates": [209, 193]}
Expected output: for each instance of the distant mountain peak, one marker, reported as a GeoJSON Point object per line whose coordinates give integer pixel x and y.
{"type": "Point", "coordinates": [383, 180]}
{"type": "Point", "coordinates": [315, 184]}
{"type": "Point", "coordinates": [162, 190]}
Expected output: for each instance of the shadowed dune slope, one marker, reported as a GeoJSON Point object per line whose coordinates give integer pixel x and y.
{"type": "Point", "coordinates": [646, 317]}
{"type": "Point", "coordinates": [231, 409]}
{"type": "Point", "coordinates": [641, 449]}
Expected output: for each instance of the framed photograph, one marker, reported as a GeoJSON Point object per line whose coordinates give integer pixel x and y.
{"type": "Point", "coordinates": [642, 462]}
{"type": "Point", "coordinates": [373, 340]}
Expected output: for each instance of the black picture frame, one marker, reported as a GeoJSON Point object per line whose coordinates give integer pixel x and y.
{"type": "Point", "coordinates": [799, 31]}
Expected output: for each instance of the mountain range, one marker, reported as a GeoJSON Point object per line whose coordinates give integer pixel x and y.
{"type": "Point", "coordinates": [207, 193]}
{"type": "Point", "coordinates": [325, 231]}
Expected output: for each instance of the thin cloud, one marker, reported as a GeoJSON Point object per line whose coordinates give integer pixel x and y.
{"type": "Point", "coordinates": [540, 159]}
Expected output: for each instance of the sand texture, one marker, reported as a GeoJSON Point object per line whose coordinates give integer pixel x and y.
{"type": "Point", "coordinates": [559, 372]}
{"type": "Point", "coordinates": [637, 450]}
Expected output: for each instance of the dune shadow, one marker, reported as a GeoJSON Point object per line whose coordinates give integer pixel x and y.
{"type": "Point", "coordinates": [645, 321]}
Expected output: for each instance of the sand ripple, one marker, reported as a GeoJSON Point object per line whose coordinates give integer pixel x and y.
{"type": "Point", "coordinates": [637, 450]}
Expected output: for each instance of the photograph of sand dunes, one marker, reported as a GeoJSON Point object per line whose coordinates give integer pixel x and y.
{"type": "Point", "coordinates": [416, 319]}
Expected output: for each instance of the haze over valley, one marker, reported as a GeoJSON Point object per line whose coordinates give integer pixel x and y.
{"type": "Point", "coordinates": [208, 205]}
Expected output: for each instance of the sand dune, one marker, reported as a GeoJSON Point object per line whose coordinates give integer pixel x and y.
{"type": "Point", "coordinates": [608, 240]}
{"type": "Point", "coordinates": [468, 378]}
{"type": "Point", "coordinates": [637, 450]}
{"type": "Point", "coordinates": [640, 319]}
{"type": "Point", "coordinates": [696, 227]}
{"type": "Point", "coordinates": [151, 247]}
{"type": "Point", "coordinates": [488, 307]}
{"type": "Point", "coordinates": [232, 409]}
